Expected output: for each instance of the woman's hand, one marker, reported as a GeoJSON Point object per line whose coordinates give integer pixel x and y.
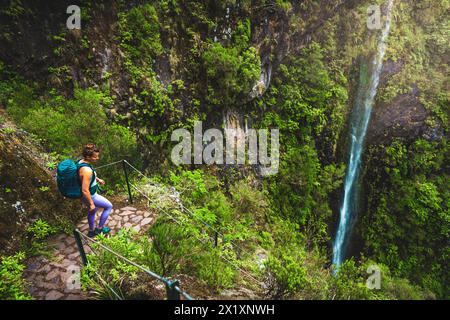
{"type": "Point", "coordinates": [100, 181]}
{"type": "Point", "coordinates": [91, 207]}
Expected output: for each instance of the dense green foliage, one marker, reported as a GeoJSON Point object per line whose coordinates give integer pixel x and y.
{"type": "Point", "coordinates": [140, 32]}
{"type": "Point", "coordinates": [12, 285]}
{"type": "Point", "coordinates": [419, 44]}
{"type": "Point", "coordinates": [65, 125]}
{"type": "Point", "coordinates": [301, 102]}
{"type": "Point", "coordinates": [175, 62]}
{"type": "Point", "coordinates": [231, 71]}
{"type": "Point", "coordinates": [35, 241]}
{"type": "Point", "coordinates": [154, 105]}
{"type": "Point", "coordinates": [407, 221]}
{"type": "Point", "coordinates": [181, 245]}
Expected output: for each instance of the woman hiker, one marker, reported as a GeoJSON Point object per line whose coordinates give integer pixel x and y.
{"type": "Point", "coordinates": [90, 197]}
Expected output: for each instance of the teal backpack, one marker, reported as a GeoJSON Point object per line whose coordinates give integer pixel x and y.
{"type": "Point", "coordinates": [68, 179]}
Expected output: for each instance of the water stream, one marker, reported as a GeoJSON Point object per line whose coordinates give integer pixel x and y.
{"type": "Point", "coordinates": [359, 123]}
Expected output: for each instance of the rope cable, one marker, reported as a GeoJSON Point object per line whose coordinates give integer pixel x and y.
{"type": "Point", "coordinates": [234, 265]}
{"type": "Point", "coordinates": [184, 209]}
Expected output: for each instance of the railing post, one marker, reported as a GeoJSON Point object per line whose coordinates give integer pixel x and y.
{"type": "Point", "coordinates": [80, 246]}
{"type": "Point", "coordinates": [172, 293]}
{"type": "Point", "coordinates": [128, 182]}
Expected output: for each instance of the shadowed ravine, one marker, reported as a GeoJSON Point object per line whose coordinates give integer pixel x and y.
{"type": "Point", "coordinates": [359, 123]}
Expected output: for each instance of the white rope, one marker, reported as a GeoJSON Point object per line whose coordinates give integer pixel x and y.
{"type": "Point", "coordinates": [184, 208]}
{"type": "Point", "coordinates": [201, 240]}
{"type": "Point", "coordinates": [109, 164]}
{"type": "Point", "coordinates": [125, 259]}
{"type": "Point", "coordinates": [195, 216]}
{"type": "Point", "coordinates": [166, 281]}
{"type": "Point", "coordinates": [191, 213]}
{"type": "Point", "coordinates": [212, 228]}
{"type": "Point", "coordinates": [135, 169]}
{"type": "Point", "coordinates": [98, 275]}
{"type": "Point", "coordinates": [109, 287]}
{"type": "Point", "coordinates": [183, 293]}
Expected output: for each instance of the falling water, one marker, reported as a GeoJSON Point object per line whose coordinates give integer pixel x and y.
{"type": "Point", "coordinates": [359, 125]}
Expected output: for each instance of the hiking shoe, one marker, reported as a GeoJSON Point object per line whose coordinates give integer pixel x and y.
{"type": "Point", "coordinates": [92, 233]}
{"type": "Point", "coordinates": [104, 230]}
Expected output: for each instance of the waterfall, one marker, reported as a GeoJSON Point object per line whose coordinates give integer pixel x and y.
{"type": "Point", "coordinates": [359, 123]}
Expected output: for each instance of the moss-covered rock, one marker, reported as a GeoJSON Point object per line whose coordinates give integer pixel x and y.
{"type": "Point", "coordinates": [28, 190]}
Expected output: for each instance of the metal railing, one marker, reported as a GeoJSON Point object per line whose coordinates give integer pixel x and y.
{"type": "Point", "coordinates": [172, 286]}
{"type": "Point", "coordinates": [173, 290]}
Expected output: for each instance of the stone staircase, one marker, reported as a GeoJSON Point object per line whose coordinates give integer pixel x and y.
{"type": "Point", "coordinates": [58, 278]}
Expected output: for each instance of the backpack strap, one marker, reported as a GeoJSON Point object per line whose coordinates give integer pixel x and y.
{"type": "Point", "coordinates": [81, 165]}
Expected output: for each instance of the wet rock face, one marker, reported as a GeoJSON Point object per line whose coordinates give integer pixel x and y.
{"type": "Point", "coordinates": [28, 30]}
{"type": "Point", "coordinates": [404, 117]}
{"type": "Point", "coordinates": [27, 192]}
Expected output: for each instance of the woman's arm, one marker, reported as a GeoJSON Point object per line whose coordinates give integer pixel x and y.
{"type": "Point", "coordinates": [86, 175]}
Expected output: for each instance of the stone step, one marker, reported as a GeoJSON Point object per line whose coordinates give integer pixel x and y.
{"type": "Point", "coordinates": [70, 241]}
{"type": "Point", "coordinates": [60, 237]}
{"type": "Point", "coordinates": [52, 275]}
{"type": "Point", "coordinates": [126, 213]}
{"type": "Point", "coordinates": [70, 250]}
{"type": "Point", "coordinates": [73, 297]}
{"type": "Point", "coordinates": [49, 286]}
{"type": "Point", "coordinates": [49, 278]}
{"type": "Point", "coordinates": [146, 221]}
{"type": "Point", "coordinates": [74, 255]}
{"type": "Point", "coordinates": [61, 246]}
{"type": "Point", "coordinates": [45, 268]}
{"type": "Point", "coordinates": [84, 228]}
{"type": "Point", "coordinates": [128, 209]}
{"type": "Point", "coordinates": [127, 225]}
{"type": "Point", "coordinates": [136, 219]}
{"type": "Point", "coordinates": [54, 295]}
{"type": "Point", "coordinates": [40, 295]}
{"type": "Point", "coordinates": [111, 224]}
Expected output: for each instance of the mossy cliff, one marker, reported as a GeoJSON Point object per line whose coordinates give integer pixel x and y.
{"type": "Point", "coordinates": [136, 71]}
{"type": "Point", "coordinates": [27, 190]}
